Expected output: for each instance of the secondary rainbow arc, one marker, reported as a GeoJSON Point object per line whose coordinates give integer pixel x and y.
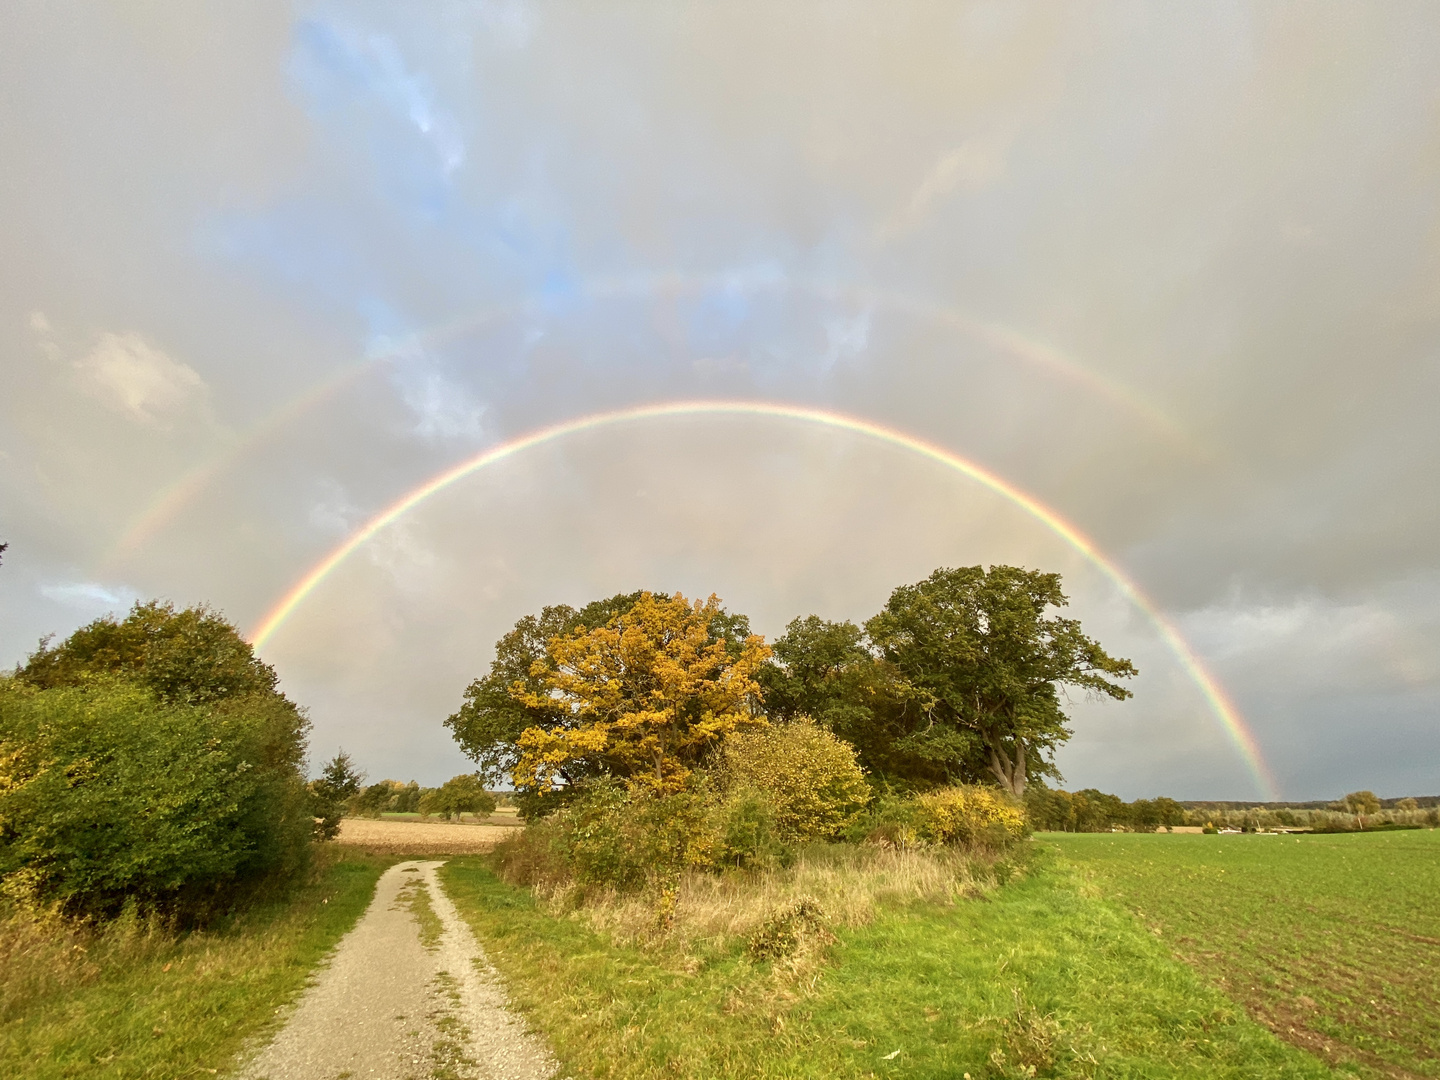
{"type": "Point", "coordinates": [169, 501]}
{"type": "Point", "coordinates": [1220, 704]}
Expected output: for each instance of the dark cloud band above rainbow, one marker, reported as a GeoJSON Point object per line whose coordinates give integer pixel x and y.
{"type": "Point", "coordinates": [1229, 717]}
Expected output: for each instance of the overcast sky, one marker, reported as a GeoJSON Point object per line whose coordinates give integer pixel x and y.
{"type": "Point", "coordinates": [1172, 269]}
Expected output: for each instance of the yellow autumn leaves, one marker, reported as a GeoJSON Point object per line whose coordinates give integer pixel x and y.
{"type": "Point", "coordinates": [648, 694]}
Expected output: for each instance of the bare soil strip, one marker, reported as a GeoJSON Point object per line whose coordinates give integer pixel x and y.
{"type": "Point", "coordinates": [421, 837]}
{"type": "Point", "coordinates": [408, 994]}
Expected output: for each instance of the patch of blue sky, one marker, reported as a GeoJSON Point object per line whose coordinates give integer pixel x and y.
{"type": "Point", "coordinates": [299, 243]}
{"type": "Point", "coordinates": [339, 67]}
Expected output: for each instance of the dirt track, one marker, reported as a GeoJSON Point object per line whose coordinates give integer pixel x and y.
{"type": "Point", "coordinates": [391, 1006]}
{"type": "Point", "coordinates": [421, 837]}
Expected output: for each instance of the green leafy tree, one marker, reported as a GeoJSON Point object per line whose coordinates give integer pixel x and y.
{"type": "Point", "coordinates": [339, 782]}
{"type": "Point", "coordinates": [109, 794]}
{"type": "Point", "coordinates": [988, 665]}
{"type": "Point", "coordinates": [191, 656]}
{"type": "Point", "coordinates": [464, 794]}
{"type": "Point", "coordinates": [120, 692]}
{"type": "Point", "coordinates": [1362, 804]}
{"type": "Point", "coordinates": [827, 671]}
{"type": "Point", "coordinates": [375, 799]}
{"type": "Point", "coordinates": [407, 799]}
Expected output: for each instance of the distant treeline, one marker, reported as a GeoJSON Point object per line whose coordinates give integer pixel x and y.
{"type": "Point", "coordinates": [1423, 802]}
{"type": "Point", "coordinates": [1090, 810]}
{"type": "Point", "coordinates": [459, 795]}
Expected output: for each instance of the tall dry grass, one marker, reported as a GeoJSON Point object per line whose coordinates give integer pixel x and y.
{"type": "Point", "coordinates": [43, 954]}
{"type": "Point", "coordinates": [846, 885]}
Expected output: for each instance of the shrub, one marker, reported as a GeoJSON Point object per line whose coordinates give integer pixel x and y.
{"type": "Point", "coordinates": [811, 778]}
{"type": "Point", "coordinates": [108, 793]}
{"type": "Point", "coordinates": [785, 930]}
{"type": "Point", "coordinates": [745, 831]}
{"type": "Point", "coordinates": [967, 814]}
{"type": "Point", "coordinates": [609, 838]}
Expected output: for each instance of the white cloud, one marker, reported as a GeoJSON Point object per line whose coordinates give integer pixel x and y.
{"type": "Point", "coordinates": [131, 376]}
{"type": "Point", "coordinates": [443, 409]}
{"type": "Point", "coordinates": [846, 338]}
{"type": "Point", "coordinates": [88, 595]}
{"type": "Point", "coordinates": [972, 166]}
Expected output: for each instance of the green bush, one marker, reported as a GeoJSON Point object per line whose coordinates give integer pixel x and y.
{"type": "Point", "coordinates": [810, 777]}
{"type": "Point", "coordinates": [109, 794]}
{"type": "Point", "coordinates": [745, 832]}
{"type": "Point", "coordinates": [608, 837]}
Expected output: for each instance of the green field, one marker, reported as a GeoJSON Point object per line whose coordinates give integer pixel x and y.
{"type": "Point", "coordinates": [1333, 941]}
{"type": "Point", "coordinates": [149, 1004]}
{"type": "Point", "coordinates": [1045, 977]}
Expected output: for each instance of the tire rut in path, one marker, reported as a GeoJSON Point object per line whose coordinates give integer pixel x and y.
{"type": "Point", "coordinates": [404, 997]}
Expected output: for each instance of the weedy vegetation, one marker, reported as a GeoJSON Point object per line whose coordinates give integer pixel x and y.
{"type": "Point", "coordinates": [130, 997]}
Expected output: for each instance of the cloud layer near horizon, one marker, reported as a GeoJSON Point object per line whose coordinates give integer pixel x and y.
{"type": "Point", "coordinates": [1176, 272]}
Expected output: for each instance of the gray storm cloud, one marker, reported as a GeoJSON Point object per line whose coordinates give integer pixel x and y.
{"type": "Point", "coordinates": [1174, 271]}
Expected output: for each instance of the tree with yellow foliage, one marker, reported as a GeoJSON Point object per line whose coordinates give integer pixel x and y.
{"type": "Point", "coordinates": [645, 696]}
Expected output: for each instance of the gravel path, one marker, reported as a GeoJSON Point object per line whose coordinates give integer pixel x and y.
{"type": "Point", "coordinates": [407, 995]}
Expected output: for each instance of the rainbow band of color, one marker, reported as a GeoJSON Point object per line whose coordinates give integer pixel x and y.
{"type": "Point", "coordinates": [1220, 704]}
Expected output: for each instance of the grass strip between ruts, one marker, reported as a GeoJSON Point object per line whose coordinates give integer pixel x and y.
{"type": "Point", "coordinates": [186, 1006]}
{"type": "Point", "coordinates": [1044, 975]}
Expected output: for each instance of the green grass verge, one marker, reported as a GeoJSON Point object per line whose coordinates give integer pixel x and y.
{"type": "Point", "coordinates": [185, 1006]}
{"type": "Point", "coordinates": [1331, 940]}
{"type": "Point", "coordinates": [1042, 976]}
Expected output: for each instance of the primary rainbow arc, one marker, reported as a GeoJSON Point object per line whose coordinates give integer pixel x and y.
{"type": "Point", "coordinates": [1220, 704]}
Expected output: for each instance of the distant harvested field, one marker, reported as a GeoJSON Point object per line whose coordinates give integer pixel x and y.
{"type": "Point", "coordinates": [421, 837]}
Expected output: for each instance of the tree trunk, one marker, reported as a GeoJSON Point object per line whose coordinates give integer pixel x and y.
{"type": "Point", "coordinates": [1011, 774]}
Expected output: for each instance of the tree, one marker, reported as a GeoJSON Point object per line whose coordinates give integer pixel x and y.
{"type": "Point", "coordinates": [988, 666]}
{"type": "Point", "coordinates": [339, 782]}
{"type": "Point", "coordinates": [3, 548]}
{"type": "Point", "coordinates": [643, 697]}
{"type": "Point", "coordinates": [492, 717]}
{"type": "Point", "coordinates": [193, 656]}
{"type": "Point", "coordinates": [828, 671]}
{"type": "Point", "coordinates": [1361, 804]}
{"type": "Point", "coordinates": [464, 794]}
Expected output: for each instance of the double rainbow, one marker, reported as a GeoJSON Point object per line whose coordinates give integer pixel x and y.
{"type": "Point", "coordinates": [1225, 711]}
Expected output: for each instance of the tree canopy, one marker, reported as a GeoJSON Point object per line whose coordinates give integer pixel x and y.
{"type": "Point", "coordinates": [193, 656]}
{"type": "Point", "coordinates": [492, 717]}
{"type": "Point", "coordinates": [989, 665]}
{"type": "Point", "coordinates": [150, 757]}
{"type": "Point", "coordinates": [636, 683]}
{"type": "Point", "coordinates": [643, 697]}
{"type": "Point", "coordinates": [958, 679]}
